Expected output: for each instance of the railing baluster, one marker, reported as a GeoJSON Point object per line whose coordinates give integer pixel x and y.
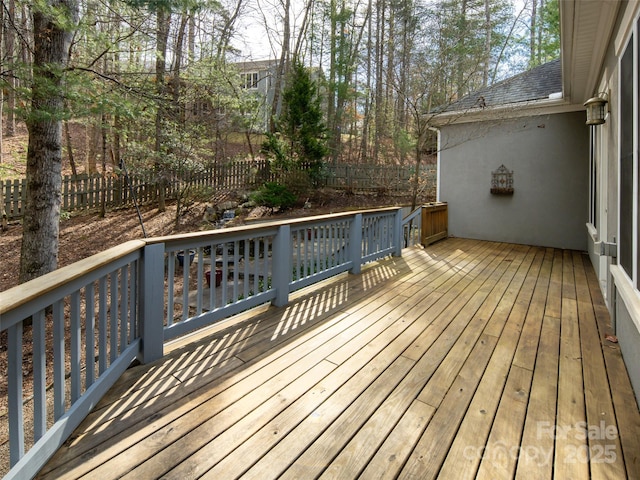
{"type": "Point", "coordinates": [301, 246]}
{"type": "Point", "coordinates": [14, 378]}
{"type": "Point", "coordinates": [212, 289]}
{"type": "Point", "coordinates": [113, 307]}
{"type": "Point", "coordinates": [236, 272]}
{"type": "Point", "coordinates": [39, 376]}
{"type": "Point", "coordinates": [256, 264]}
{"type": "Point", "coordinates": [171, 271]}
{"type": "Point", "coordinates": [246, 256]}
{"type": "Point", "coordinates": [76, 346]}
{"type": "Point", "coordinates": [225, 273]}
{"type": "Point", "coordinates": [102, 312]}
{"type": "Point", "coordinates": [58, 360]}
{"type": "Point", "coordinates": [90, 332]}
{"type": "Point", "coordinates": [133, 304]}
{"type": "Point", "coordinates": [185, 284]}
{"type": "Point", "coordinates": [124, 324]}
{"type": "Point", "coordinates": [199, 276]}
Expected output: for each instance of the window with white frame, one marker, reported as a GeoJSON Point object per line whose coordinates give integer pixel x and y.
{"type": "Point", "coordinates": [629, 208]}
{"type": "Point", "coordinates": [249, 80]}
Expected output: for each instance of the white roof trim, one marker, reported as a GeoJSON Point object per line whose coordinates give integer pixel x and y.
{"type": "Point", "coordinates": [509, 110]}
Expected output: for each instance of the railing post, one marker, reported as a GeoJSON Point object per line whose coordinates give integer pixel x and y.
{"type": "Point", "coordinates": [355, 243]}
{"type": "Point", "coordinates": [282, 265]}
{"type": "Point", "coordinates": [397, 234]}
{"type": "Point", "coordinates": [151, 303]}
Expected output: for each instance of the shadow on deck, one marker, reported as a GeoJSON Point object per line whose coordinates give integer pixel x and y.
{"type": "Point", "coordinates": [467, 359]}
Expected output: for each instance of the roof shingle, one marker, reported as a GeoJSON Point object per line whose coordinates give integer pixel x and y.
{"type": "Point", "coordinates": [535, 84]}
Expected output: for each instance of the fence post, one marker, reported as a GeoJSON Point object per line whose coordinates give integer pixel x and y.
{"type": "Point", "coordinates": [397, 234]}
{"type": "Point", "coordinates": [282, 265]}
{"type": "Point", "coordinates": [19, 201]}
{"type": "Point", "coordinates": [151, 303]}
{"type": "Point", "coordinates": [355, 243]}
{"type": "Point", "coordinates": [3, 212]}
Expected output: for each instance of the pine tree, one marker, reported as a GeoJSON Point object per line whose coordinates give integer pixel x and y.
{"type": "Point", "coordinates": [300, 139]}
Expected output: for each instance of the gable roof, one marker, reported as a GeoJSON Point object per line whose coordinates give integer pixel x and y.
{"type": "Point", "coordinates": [535, 84]}
{"type": "Point", "coordinates": [255, 65]}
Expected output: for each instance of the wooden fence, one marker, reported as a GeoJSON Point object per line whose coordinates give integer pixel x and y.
{"type": "Point", "coordinates": [88, 192]}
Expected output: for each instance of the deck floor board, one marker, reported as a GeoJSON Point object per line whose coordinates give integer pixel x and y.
{"type": "Point", "coordinates": [465, 359]}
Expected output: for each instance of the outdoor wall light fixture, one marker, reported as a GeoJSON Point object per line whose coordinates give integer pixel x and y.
{"type": "Point", "coordinates": [596, 109]}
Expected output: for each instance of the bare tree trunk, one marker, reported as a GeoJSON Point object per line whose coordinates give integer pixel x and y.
{"type": "Point", "coordinates": [460, 67]}
{"type": "Point", "coordinates": [192, 38]}
{"type": "Point", "coordinates": [103, 197]}
{"type": "Point", "coordinates": [390, 69]}
{"type": "Point", "coordinates": [506, 42]}
{"type": "Point", "coordinates": [366, 121]}
{"type": "Point", "coordinates": [487, 43]}
{"type": "Point", "coordinates": [2, 27]}
{"type": "Point", "coordinates": [92, 137]}
{"type": "Point", "coordinates": [39, 251]}
{"type": "Point", "coordinates": [379, 102]}
{"type": "Point", "coordinates": [297, 51]}
{"type": "Point", "coordinates": [72, 161]}
{"type": "Point", "coordinates": [540, 28]}
{"type": "Point", "coordinates": [282, 65]}
{"type": "Point", "coordinates": [9, 60]}
{"type": "Point", "coordinates": [163, 19]}
{"type": "Point", "coordinates": [532, 34]}
{"type": "Point", "coordinates": [331, 94]}
{"type": "Point", "coordinates": [177, 66]}
{"type": "Point", "coordinates": [227, 31]}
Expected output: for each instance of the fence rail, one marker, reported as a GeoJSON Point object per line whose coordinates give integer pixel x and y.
{"type": "Point", "coordinates": [88, 192]}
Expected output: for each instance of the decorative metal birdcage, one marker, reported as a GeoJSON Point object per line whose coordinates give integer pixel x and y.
{"type": "Point", "coordinates": [502, 181]}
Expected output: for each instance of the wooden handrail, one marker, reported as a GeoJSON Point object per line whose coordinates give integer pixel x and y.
{"type": "Point", "coordinates": [24, 293]}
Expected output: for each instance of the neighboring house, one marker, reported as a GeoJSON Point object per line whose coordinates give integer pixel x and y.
{"type": "Point", "coordinates": [574, 186]}
{"type": "Point", "coordinates": [258, 77]}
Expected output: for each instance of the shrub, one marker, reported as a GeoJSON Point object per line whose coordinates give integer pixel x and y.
{"type": "Point", "coordinates": [273, 195]}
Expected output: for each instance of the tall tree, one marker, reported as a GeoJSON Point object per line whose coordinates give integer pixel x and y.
{"type": "Point", "coordinates": [54, 22]}
{"type": "Point", "coordinates": [544, 31]}
{"type": "Point", "coordinates": [302, 140]}
{"type": "Point", "coordinates": [283, 64]}
{"type": "Point", "coordinates": [9, 62]}
{"type": "Point", "coordinates": [163, 24]}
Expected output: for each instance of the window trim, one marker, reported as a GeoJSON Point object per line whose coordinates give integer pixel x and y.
{"type": "Point", "coordinates": [250, 80]}
{"type": "Point", "coordinates": [633, 42]}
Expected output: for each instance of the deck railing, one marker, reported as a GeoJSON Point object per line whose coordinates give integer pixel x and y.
{"type": "Point", "coordinates": [92, 319]}
{"type": "Point", "coordinates": [435, 222]}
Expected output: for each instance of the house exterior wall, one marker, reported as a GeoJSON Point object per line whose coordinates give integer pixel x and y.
{"type": "Point", "coordinates": [549, 157]}
{"type": "Point", "coordinates": [621, 292]}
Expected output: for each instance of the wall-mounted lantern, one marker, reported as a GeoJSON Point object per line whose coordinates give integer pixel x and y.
{"type": "Point", "coordinates": [596, 109]}
{"type": "Point", "coordinates": [502, 181]}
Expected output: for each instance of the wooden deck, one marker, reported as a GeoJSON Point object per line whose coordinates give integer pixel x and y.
{"type": "Point", "coordinates": [466, 359]}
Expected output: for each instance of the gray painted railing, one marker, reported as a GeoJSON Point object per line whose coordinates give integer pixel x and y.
{"type": "Point", "coordinates": [123, 304]}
